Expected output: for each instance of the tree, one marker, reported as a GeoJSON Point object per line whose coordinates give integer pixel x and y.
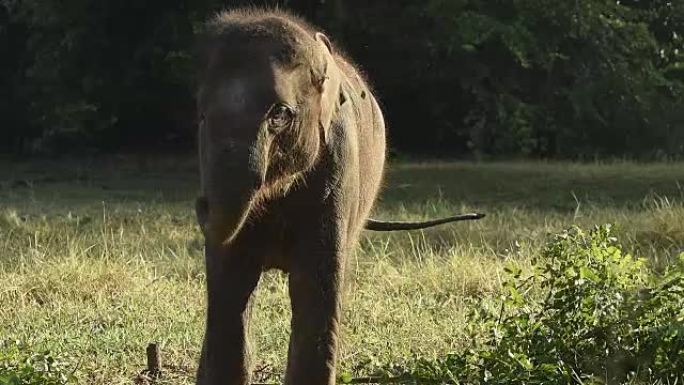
{"type": "Point", "coordinates": [535, 78]}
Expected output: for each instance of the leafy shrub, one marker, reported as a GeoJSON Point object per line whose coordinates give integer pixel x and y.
{"type": "Point", "coordinates": [20, 366]}
{"type": "Point", "coordinates": [587, 314]}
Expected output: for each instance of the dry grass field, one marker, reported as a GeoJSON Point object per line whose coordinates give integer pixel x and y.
{"type": "Point", "coordinates": [99, 258]}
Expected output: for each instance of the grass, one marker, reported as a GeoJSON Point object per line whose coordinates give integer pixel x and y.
{"type": "Point", "coordinates": [100, 258]}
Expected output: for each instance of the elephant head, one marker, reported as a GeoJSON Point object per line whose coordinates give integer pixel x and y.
{"type": "Point", "coordinates": [265, 102]}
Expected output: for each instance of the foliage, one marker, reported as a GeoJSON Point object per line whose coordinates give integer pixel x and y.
{"type": "Point", "coordinates": [588, 314]}
{"type": "Point", "coordinates": [533, 77]}
{"type": "Point", "coordinates": [20, 366]}
{"type": "Point", "coordinates": [538, 78]}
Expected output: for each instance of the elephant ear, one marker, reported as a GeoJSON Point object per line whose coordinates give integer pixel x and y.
{"type": "Point", "coordinates": [328, 84]}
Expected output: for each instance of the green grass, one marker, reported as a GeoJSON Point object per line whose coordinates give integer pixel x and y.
{"type": "Point", "coordinates": [99, 259]}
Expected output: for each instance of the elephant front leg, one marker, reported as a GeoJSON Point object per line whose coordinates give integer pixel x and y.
{"type": "Point", "coordinates": [231, 279]}
{"type": "Point", "coordinates": [315, 292]}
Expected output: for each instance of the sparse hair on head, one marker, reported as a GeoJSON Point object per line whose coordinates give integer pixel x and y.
{"type": "Point", "coordinates": [246, 24]}
{"type": "Point", "coordinates": [249, 24]}
{"type": "Point", "coordinates": [256, 22]}
{"type": "Point", "coordinates": [245, 16]}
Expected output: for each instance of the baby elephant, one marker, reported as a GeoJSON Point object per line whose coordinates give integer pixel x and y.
{"type": "Point", "coordinates": [292, 150]}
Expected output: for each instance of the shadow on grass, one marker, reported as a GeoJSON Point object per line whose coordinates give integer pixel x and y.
{"type": "Point", "coordinates": [537, 186]}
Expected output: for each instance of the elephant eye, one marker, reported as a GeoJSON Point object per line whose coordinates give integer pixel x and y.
{"type": "Point", "coordinates": [280, 116]}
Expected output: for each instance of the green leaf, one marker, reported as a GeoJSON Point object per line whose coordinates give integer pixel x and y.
{"type": "Point", "coordinates": [346, 378]}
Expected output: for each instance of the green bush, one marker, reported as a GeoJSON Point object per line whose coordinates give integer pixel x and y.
{"type": "Point", "coordinates": [20, 366]}
{"type": "Point", "coordinates": [587, 314]}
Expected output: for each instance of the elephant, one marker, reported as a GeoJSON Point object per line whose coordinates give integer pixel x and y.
{"type": "Point", "coordinates": [291, 156]}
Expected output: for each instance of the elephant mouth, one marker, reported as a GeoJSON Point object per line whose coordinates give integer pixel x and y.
{"type": "Point", "coordinates": [221, 224]}
{"type": "Point", "coordinates": [223, 211]}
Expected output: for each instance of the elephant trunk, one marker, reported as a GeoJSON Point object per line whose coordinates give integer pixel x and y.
{"type": "Point", "coordinates": [230, 191]}
{"type": "Point", "coordinates": [226, 215]}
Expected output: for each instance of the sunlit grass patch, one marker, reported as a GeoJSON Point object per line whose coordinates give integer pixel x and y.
{"type": "Point", "coordinates": [100, 260]}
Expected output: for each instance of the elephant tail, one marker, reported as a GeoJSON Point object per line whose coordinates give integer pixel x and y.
{"type": "Point", "coordinates": [375, 225]}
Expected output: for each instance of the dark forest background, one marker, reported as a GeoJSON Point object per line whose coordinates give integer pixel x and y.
{"type": "Point", "coordinates": [479, 79]}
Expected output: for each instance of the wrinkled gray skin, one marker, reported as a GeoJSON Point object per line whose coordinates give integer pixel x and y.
{"type": "Point", "coordinates": [292, 149]}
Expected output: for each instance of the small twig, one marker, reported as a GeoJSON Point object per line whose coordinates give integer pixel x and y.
{"type": "Point", "coordinates": [262, 373]}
